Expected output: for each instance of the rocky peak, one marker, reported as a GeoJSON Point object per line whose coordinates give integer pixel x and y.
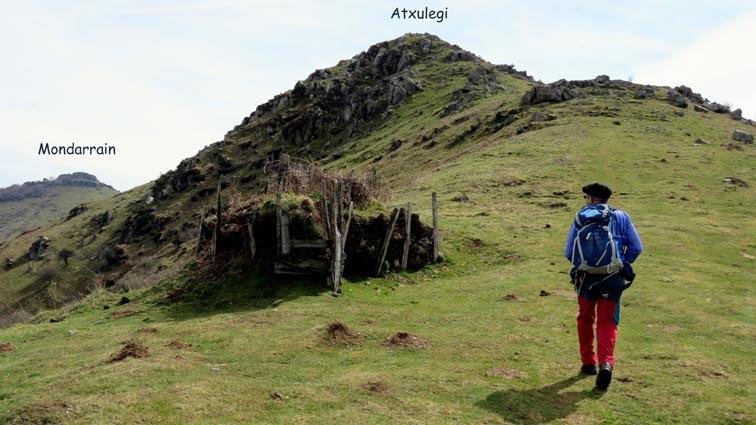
{"type": "Point", "coordinates": [342, 98]}
{"type": "Point", "coordinates": [388, 65]}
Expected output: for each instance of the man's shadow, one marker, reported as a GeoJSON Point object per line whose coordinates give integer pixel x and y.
{"type": "Point", "coordinates": [539, 405]}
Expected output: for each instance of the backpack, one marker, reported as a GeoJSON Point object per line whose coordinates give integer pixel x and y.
{"type": "Point", "coordinates": [597, 246]}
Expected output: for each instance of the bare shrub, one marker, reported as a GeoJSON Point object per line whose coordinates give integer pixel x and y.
{"type": "Point", "coordinates": [48, 273]}
{"type": "Point", "coordinates": [64, 254]}
{"type": "Point", "coordinates": [14, 318]}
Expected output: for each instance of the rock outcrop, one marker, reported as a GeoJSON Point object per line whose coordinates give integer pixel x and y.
{"type": "Point", "coordinates": [681, 96]}
{"type": "Point", "coordinates": [38, 248]}
{"type": "Point", "coordinates": [742, 136]}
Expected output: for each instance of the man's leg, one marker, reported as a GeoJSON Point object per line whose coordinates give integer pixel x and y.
{"type": "Point", "coordinates": [606, 332]}
{"type": "Point", "coordinates": [585, 320]}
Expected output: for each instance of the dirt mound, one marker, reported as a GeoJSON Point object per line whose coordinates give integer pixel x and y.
{"type": "Point", "coordinates": [131, 349]}
{"type": "Point", "coordinates": [177, 345]}
{"type": "Point", "coordinates": [476, 243]}
{"type": "Point", "coordinates": [377, 388]}
{"type": "Point", "coordinates": [4, 348]}
{"type": "Point", "coordinates": [338, 333]}
{"type": "Point", "coordinates": [405, 340]}
{"type": "Point", "coordinates": [511, 297]}
{"type": "Point", "coordinates": [124, 313]}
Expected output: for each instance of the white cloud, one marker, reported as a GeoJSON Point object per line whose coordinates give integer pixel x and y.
{"type": "Point", "coordinates": [719, 65]}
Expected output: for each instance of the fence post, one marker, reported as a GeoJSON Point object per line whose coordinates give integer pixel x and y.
{"type": "Point", "coordinates": [338, 199]}
{"type": "Point", "coordinates": [386, 241]}
{"type": "Point", "coordinates": [278, 224]}
{"type": "Point", "coordinates": [285, 238]}
{"type": "Point", "coordinates": [435, 228]}
{"type": "Point", "coordinates": [324, 207]}
{"type": "Point", "coordinates": [337, 250]}
{"type": "Point", "coordinates": [345, 232]}
{"type": "Point", "coordinates": [407, 233]}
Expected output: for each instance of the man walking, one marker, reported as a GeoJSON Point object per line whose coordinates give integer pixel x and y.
{"type": "Point", "coordinates": [602, 244]}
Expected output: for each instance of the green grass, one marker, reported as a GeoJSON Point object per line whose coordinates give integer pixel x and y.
{"type": "Point", "coordinates": [680, 359]}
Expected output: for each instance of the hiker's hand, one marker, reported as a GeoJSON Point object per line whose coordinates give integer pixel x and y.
{"type": "Point", "coordinates": [627, 272]}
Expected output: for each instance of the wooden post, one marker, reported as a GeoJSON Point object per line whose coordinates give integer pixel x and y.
{"type": "Point", "coordinates": [252, 250]}
{"type": "Point", "coordinates": [199, 229]}
{"type": "Point", "coordinates": [285, 239]}
{"type": "Point", "coordinates": [345, 232]}
{"type": "Point", "coordinates": [435, 228]}
{"type": "Point", "coordinates": [218, 214]}
{"type": "Point", "coordinates": [324, 207]}
{"type": "Point", "coordinates": [278, 224]}
{"type": "Point", "coordinates": [339, 207]}
{"type": "Point", "coordinates": [386, 241]}
{"type": "Point", "coordinates": [407, 232]}
{"type": "Point", "coordinates": [337, 250]}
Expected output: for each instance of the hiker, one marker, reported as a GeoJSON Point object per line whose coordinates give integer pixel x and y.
{"type": "Point", "coordinates": [601, 245]}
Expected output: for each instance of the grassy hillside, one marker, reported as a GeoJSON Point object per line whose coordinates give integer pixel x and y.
{"type": "Point", "coordinates": [498, 315]}
{"type": "Point", "coordinates": [51, 202]}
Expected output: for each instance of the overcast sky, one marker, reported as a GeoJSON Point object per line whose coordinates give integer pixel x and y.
{"type": "Point", "coordinates": [159, 80]}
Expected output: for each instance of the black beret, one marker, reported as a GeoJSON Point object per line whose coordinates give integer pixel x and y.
{"type": "Point", "coordinates": [597, 190]}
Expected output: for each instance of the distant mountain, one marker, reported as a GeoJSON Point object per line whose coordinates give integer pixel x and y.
{"type": "Point", "coordinates": [29, 205]}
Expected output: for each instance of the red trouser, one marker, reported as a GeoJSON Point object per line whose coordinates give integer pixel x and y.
{"type": "Point", "coordinates": [606, 329]}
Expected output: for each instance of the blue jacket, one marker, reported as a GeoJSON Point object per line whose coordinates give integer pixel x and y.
{"type": "Point", "coordinates": [631, 243]}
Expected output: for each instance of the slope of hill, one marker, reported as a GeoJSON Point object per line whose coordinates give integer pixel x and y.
{"type": "Point", "coordinates": [507, 156]}
{"type": "Point", "coordinates": [33, 204]}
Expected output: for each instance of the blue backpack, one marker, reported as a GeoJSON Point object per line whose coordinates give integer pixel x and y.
{"type": "Point", "coordinates": [597, 248]}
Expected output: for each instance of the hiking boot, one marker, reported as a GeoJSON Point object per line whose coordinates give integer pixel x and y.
{"type": "Point", "coordinates": [604, 376]}
{"type": "Point", "coordinates": [588, 369]}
